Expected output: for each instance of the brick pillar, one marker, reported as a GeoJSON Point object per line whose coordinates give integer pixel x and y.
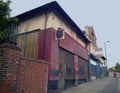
{"type": "Point", "coordinates": [10, 57]}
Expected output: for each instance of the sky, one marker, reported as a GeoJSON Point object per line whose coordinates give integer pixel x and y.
{"type": "Point", "coordinates": [103, 15]}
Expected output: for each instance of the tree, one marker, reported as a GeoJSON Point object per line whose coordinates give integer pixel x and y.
{"type": "Point", "coordinates": [5, 19]}
{"type": "Point", "coordinates": [117, 67]}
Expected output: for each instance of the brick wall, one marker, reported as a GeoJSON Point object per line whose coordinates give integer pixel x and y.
{"type": "Point", "coordinates": [20, 74]}
{"type": "Point", "coordinates": [32, 77]}
{"type": "Point", "coordinates": [10, 55]}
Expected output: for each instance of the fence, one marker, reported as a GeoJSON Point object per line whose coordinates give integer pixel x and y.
{"type": "Point", "coordinates": [10, 34]}
{"type": "Point", "coordinates": [28, 42]}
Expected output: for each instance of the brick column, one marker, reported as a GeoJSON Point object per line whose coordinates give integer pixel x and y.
{"type": "Point", "coordinates": [10, 57]}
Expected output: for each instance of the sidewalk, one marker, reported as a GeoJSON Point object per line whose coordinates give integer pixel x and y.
{"type": "Point", "coordinates": [103, 85]}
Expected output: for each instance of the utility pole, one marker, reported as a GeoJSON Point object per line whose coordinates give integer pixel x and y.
{"type": "Point", "coordinates": [106, 64]}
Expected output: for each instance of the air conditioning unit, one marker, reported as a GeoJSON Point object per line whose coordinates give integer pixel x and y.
{"type": "Point", "coordinates": [60, 33]}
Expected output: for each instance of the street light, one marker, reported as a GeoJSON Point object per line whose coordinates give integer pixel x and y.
{"type": "Point", "coordinates": [106, 54]}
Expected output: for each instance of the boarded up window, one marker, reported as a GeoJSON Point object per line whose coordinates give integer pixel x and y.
{"type": "Point", "coordinates": [83, 68]}
{"type": "Point", "coordinates": [67, 59]}
{"type": "Point", "coordinates": [66, 75]}
{"type": "Point", "coordinates": [28, 42]}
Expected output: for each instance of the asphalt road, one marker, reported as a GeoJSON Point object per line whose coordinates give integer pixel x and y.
{"type": "Point", "coordinates": [103, 85]}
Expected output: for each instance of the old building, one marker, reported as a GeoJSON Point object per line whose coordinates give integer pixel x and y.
{"type": "Point", "coordinates": [97, 65]}
{"type": "Point", "coordinates": [48, 33]}
{"type": "Point", "coordinates": [102, 65]}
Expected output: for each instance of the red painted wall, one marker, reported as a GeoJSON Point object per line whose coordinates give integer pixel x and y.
{"type": "Point", "coordinates": [51, 43]}
{"type": "Point", "coordinates": [73, 46]}
{"type": "Point", "coordinates": [51, 49]}
{"type": "Point", "coordinates": [44, 45]}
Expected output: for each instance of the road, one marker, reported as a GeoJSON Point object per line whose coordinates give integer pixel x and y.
{"type": "Point", "coordinates": [103, 85]}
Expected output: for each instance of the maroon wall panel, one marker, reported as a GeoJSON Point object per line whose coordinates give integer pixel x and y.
{"type": "Point", "coordinates": [50, 50]}
{"type": "Point", "coordinates": [54, 57]}
{"type": "Point", "coordinates": [44, 44]}
{"type": "Point", "coordinates": [40, 45]}
{"type": "Point", "coordinates": [73, 46]}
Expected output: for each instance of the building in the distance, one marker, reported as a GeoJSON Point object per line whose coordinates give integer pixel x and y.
{"type": "Point", "coordinates": [96, 55]}
{"type": "Point", "coordinates": [102, 65]}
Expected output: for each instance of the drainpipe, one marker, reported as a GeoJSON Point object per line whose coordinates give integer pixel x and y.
{"type": "Point", "coordinates": [44, 39]}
